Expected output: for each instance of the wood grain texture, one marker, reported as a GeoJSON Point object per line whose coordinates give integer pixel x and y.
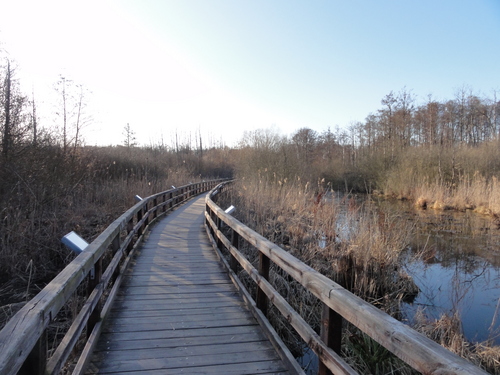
{"type": "Point", "coordinates": [178, 311]}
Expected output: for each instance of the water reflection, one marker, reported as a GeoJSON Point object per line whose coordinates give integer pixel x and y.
{"type": "Point", "coordinates": [459, 268]}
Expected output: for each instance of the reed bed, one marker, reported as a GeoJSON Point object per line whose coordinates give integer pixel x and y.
{"type": "Point", "coordinates": [350, 241]}
{"type": "Point", "coordinates": [447, 331]}
{"type": "Point", "coordinates": [478, 193]}
{"type": "Point", "coordinates": [457, 178]}
{"type": "Point", "coordinates": [344, 239]}
{"type": "Point", "coordinates": [354, 243]}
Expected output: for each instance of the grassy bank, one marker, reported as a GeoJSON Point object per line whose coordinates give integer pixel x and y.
{"type": "Point", "coordinates": [459, 178]}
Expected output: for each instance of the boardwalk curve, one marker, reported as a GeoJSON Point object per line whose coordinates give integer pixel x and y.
{"type": "Point", "coordinates": [178, 311]}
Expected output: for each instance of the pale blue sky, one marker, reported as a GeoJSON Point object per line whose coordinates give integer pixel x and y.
{"type": "Point", "coordinates": [235, 65]}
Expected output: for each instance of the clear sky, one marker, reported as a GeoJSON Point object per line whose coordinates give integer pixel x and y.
{"type": "Point", "coordinates": [224, 66]}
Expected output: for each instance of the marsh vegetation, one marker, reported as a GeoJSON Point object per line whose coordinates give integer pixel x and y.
{"type": "Point", "coordinates": [370, 248]}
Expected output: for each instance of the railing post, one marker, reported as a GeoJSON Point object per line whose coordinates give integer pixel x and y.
{"type": "Point", "coordinates": [261, 299]}
{"type": "Point", "coordinates": [130, 228]}
{"type": "Point", "coordinates": [139, 218]}
{"type": "Point", "coordinates": [36, 362]}
{"type": "Point", "coordinates": [331, 334]}
{"type": "Point", "coordinates": [164, 207]}
{"type": "Point", "coordinates": [207, 210]}
{"type": "Point", "coordinates": [115, 246]}
{"type": "Point", "coordinates": [146, 221]}
{"type": "Point", "coordinates": [94, 280]}
{"type": "Point", "coordinates": [155, 212]}
{"type": "Point", "coordinates": [210, 214]}
{"type": "Point", "coordinates": [219, 226]}
{"type": "Point", "coordinates": [235, 242]}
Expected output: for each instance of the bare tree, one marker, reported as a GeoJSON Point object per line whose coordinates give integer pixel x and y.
{"type": "Point", "coordinates": [13, 115]}
{"type": "Point", "coordinates": [72, 111]}
{"type": "Point", "coordinates": [81, 118]}
{"type": "Point", "coordinates": [129, 134]}
{"type": "Point", "coordinates": [7, 129]}
{"type": "Point", "coordinates": [34, 119]}
{"type": "Point", "coordinates": [61, 88]}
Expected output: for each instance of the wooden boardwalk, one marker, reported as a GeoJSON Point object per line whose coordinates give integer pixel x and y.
{"type": "Point", "coordinates": [179, 313]}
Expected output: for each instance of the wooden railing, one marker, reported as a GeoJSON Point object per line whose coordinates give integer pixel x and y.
{"type": "Point", "coordinates": [416, 350]}
{"type": "Point", "coordinates": [23, 340]}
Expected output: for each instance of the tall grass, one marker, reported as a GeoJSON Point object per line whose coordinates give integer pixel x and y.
{"type": "Point", "coordinates": [349, 241]}
{"type": "Point", "coordinates": [344, 239]}
{"type": "Point", "coordinates": [44, 194]}
{"type": "Point", "coordinates": [355, 244]}
{"type": "Point", "coordinates": [458, 178]}
{"type": "Point", "coordinates": [447, 331]}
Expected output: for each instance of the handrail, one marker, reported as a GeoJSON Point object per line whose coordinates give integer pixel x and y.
{"type": "Point", "coordinates": [415, 349]}
{"type": "Point", "coordinates": [23, 340]}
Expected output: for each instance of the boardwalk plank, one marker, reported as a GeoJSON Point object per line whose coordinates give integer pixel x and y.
{"type": "Point", "coordinates": [203, 311]}
{"type": "Point", "coordinates": [179, 352]}
{"type": "Point", "coordinates": [178, 312]}
{"type": "Point", "coordinates": [106, 344]}
{"type": "Point", "coordinates": [120, 362]}
{"type": "Point", "coordinates": [258, 367]}
{"type": "Point", "coordinates": [176, 325]}
{"type": "Point", "coordinates": [167, 305]}
{"type": "Point", "coordinates": [175, 297]}
{"type": "Point", "coordinates": [173, 334]}
{"type": "Point", "coordinates": [130, 290]}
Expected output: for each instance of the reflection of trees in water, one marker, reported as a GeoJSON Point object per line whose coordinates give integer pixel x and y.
{"type": "Point", "coordinates": [458, 268]}
{"type": "Point", "coordinates": [450, 237]}
{"type": "Point", "coordinates": [455, 283]}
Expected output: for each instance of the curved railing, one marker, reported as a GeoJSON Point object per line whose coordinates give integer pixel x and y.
{"type": "Point", "coordinates": [416, 350]}
{"type": "Point", "coordinates": [23, 340]}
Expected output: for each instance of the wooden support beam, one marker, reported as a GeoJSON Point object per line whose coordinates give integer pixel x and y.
{"type": "Point", "coordinates": [36, 361]}
{"type": "Point", "coordinates": [331, 334]}
{"type": "Point", "coordinates": [94, 280]}
{"type": "Point", "coordinates": [235, 242]}
{"type": "Point", "coordinates": [261, 299]}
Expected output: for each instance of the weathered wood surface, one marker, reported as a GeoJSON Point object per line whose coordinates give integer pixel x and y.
{"type": "Point", "coordinates": [178, 311]}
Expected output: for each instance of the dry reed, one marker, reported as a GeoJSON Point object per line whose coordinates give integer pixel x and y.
{"type": "Point", "coordinates": [355, 244]}
{"type": "Point", "coordinates": [447, 331]}
{"type": "Point", "coordinates": [348, 241]}
{"type": "Point", "coordinates": [477, 193]}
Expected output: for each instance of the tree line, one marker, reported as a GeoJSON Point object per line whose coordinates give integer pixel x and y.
{"type": "Point", "coordinates": [361, 156]}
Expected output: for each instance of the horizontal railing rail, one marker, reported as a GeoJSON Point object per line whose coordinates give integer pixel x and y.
{"type": "Point", "coordinates": [415, 349]}
{"type": "Point", "coordinates": [23, 340]}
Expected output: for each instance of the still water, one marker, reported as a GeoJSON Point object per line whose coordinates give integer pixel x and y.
{"type": "Point", "coordinates": [453, 258]}
{"type": "Point", "coordinates": [458, 270]}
